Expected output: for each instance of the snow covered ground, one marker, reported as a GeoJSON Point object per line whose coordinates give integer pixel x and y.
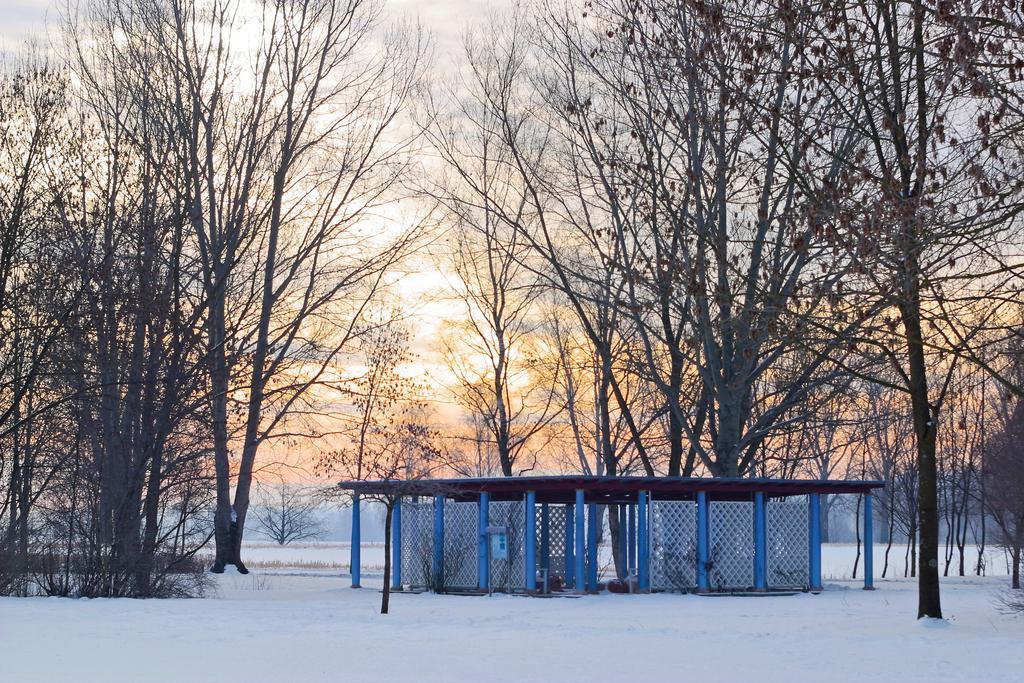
{"type": "Point", "coordinates": [307, 625]}
{"type": "Point", "coordinates": [837, 558]}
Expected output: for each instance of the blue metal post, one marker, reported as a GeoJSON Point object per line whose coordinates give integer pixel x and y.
{"type": "Point", "coordinates": [621, 569]}
{"type": "Point", "coordinates": [396, 546]}
{"type": "Point", "coordinates": [703, 527]}
{"type": "Point", "coordinates": [814, 517]}
{"type": "Point", "coordinates": [760, 543]}
{"type": "Point", "coordinates": [869, 545]}
{"type": "Point", "coordinates": [631, 532]}
{"type": "Point", "coordinates": [642, 546]}
{"type": "Point", "coordinates": [545, 537]}
{"type": "Point", "coordinates": [581, 549]}
{"type": "Point", "coordinates": [592, 547]}
{"type": "Point", "coordinates": [354, 562]}
{"type": "Point", "coordinates": [483, 567]}
{"type": "Point", "coordinates": [437, 567]}
{"type": "Point", "coordinates": [592, 517]}
{"type": "Point", "coordinates": [530, 567]}
{"type": "Point", "coordinates": [570, 545]}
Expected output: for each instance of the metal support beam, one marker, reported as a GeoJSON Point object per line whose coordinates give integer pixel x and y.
{"type": "Point", "coordinates": [869, 545]}
{"type": "Point", "coordinates": [642, 544]}
{"type": "Point", "coordinates": [592, 547]}
{"type": "Point", "coordinates": [621, 569]}
{"type": "Point", "coordinates": [814, 524]}
{"type": "Point", "coordinates": [483, 566]}
{"type": "Point", "coordinates": [631, 532]}
{"type": "Point", "coordinates": [437, 566]}
{"type": "Point", "coordinates": [760, 543]}
{"type": "Point", "coordinates": [530, 565]}
{"type": "Point", "coordinates": [545, 537]}
{"type": "Point", "coordinates": [570, 545]}
{"type": "Point", "coordinates": [703, 537]}
{"type": "Point", "coordinates": [354, 560]}
{"type": "Point", "coordinates": [396, 546]}
{"type": "Point", "coordinates": [581, 548]}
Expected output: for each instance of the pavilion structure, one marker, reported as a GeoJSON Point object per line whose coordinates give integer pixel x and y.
{"type": "Point", "coordinates": [683, 534]}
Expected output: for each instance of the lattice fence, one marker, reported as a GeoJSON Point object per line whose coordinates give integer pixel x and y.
{"type": "Point", "coordinates": [417, 542]}
{"type": "Point", "coordinates": [460, 544]}
{"type": "Point", "coordinates": [556, 540]}
{"type": "Point", "coordinates": [732, 545]}
{"type": "Point", "coordinates": [673, 545]}
{"type": "Point", "coordinates": [508, 574]}
{"type": "Point", "coordinates": [787, 544]}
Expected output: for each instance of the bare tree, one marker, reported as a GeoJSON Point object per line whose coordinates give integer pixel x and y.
{"type": "Point", "coordinates": [496, 104]}
{"type": "Point", "coordinates": [390, 437]}
{"type": "Point", "coordinates": [286, 513]}
{"type": "Point", "coordinates": [280, 172]}
{"type": "Point", "coordinates": [927, 203]}
{"type": "Point", "coordinates": [1004, 469]}
{"type": "Point", "coordinates": [106, 393]}
{"type": "Point", "coordinates": [36, 297]}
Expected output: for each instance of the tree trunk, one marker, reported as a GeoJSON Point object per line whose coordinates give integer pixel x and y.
{"type": "Point", "coordinates": [151, 510]}
{"type": "Point", "coordinates": [224, 515]}
{"type": "Point", "coordinates": [889, 530]}
{"type": "Point", "coordinates": [675, 424]}
{"type": "Point", "coordinates": [925, 415]}
{"type": "Point", "coordinates": [826, 503]}
{"type": "Point", "coordinates": [925, 423]}
{"type": "Point", "coordinates": [385, 595]}
{"type": "Point", "coordinates": [615, 529]}
{"type": "Point", "coordinates": [856, 526]}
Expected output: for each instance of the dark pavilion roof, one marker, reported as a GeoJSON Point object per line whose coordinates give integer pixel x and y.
{"type": "Point", "coordinates": [562, 489]}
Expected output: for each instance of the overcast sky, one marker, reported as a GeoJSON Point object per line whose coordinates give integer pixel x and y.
{"type": "Point", "coordinates": [445, 19]}
{"type": "Point", "coordinates": [20, 19]}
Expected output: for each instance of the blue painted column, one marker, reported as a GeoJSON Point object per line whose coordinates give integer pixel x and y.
{"type": "Point", "coordinates": [760, 543]}
{"type": "Point", "coordinates": [483, 519]}
{"type": "Point", "coordinates": [814, 519]}
{"type": "Point", "coordinates": [869, 545]}
{"type": "Point", "coordinates": [622, 569]}
{"type": "Point", "coordinates": [437, 566]}
{"type": "Point", "coordinates": [580, 572]}
{"type": "Point", "coordinates": [592, 547]}
{"type": "Point", "coordinates": [703, 537]}
{"type": "Point", "coordinates": [545, 537]}
{"type": "Point", "coordinates": [396, 546]}
{"type": "Point", "coordinates": [570, 545]}
{"type": "Point", "coordinates": [354, 560]}
{"type": "Point", "coordinates": [631, 532]}
{"type": "Point", "coordinates": [642, 545]}
{"type": "Point", "coordinates": [530, 565]}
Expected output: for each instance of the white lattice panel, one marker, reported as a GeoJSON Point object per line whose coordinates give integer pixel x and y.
{"type": "Point", "coordinates": [417, 542]}
{"type": "Point", "coordinates": [460, 544]}
{"type": "Point", "coordinates": [673, 545]}
{"type": "Point", "coordinates": [732, 545]}
{"type": "Point", "coordinates": [508, 574]}
{"type": "Point", "coordinates": [787, 544]}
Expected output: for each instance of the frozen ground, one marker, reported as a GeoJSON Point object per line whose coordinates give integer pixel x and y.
{"type": "Point", "coordinates": [307, 625]}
